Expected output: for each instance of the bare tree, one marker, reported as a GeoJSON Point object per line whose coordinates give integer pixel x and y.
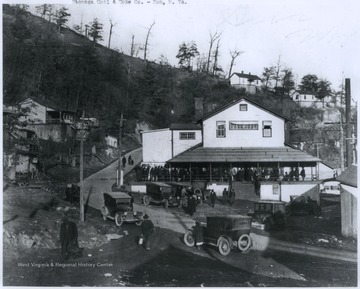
{"type": "Point", "coordinates": [213, 38]}
{"type": "Point", "coordinates": [111, 27]}
{"type": "Point", "coordinates": [147, 41]}
{"type": "Point", "coordinates": [277, 71]}
{"type": "Point", "coordinates": [216, 55]}
{"type": "Point", "coordinates": [234, 54]}
{"type": "Point", "coordinates": [132, 49]}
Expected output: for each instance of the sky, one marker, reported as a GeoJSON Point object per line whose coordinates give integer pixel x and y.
{"type": "Point", "coordinates": [310, 37]}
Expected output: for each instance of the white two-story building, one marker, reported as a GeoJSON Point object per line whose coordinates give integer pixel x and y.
{"type": "Point", "coordinates": [243, 139]}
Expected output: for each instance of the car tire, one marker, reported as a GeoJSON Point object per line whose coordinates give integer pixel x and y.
{"type": "Point", "coordinates": [105, 212]}
{"type": "Point", "coordinates": [138, 223]}
{"type": "Point", "coordinates": [287, 212]}
{"type": "Point", "coordinates": [224, 246]}
{"type": "Point", "coordinates": [118, 220]}
{"type": "Point", "coordinates": [146, 200]}
{"type": "Point", "coordinates": [189, 239]}
{"type": "Point", "coordinates": [244, 242]}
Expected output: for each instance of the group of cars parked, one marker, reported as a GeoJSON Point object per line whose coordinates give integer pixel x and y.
{"type": "Point", "coordinates": [227, 232]}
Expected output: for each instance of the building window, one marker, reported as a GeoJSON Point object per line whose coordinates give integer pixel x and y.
{"type": "Point", "coordinates": [267, 128]}
{"type": "Point", "coordinates": [187, 135]}
{"type": "Point", "coordinates": [220, 129]}
{"type": "Point", "coordinates": [304, 97]}
{"type": "Point", "coordinates": [243, 125]}
{"type": "Point", "coordinates": [243, 107]}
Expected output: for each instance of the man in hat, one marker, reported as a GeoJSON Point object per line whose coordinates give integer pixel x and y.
{"type": "Point", "coordinates": [69, 239]}
{"type": "Point", "coordinates": [212, 198]}
{"type": "Point", "coordinates": [147, 228]}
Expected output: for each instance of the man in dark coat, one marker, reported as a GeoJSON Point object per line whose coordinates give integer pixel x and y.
{"type": "Point", "coordinates": [69, 239]}
{"type": "Point", "coordinates": [192, 204]}
{"type": "Point", "coordinates": [124, 161]}
{"type": "Point", "coordinates": [232, 196]}
{"type": "Point", "coordinates": [147, 228]}
{"type": "Point", "coordinates": [199, 236]}
{"type": "Point", "coordinates": [212, 198]}
{"type": "Point", "coordinates": [302, 174]}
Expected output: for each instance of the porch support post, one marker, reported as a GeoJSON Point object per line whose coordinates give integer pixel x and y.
{"type": "Point", "coordinates": [317, 171]}
{"type": "Point", "coordinates": [190, 171]}
{"type": "Point", "coordinates": [170, 172]}
{"type": "Point", "coordinates": [210, 173]}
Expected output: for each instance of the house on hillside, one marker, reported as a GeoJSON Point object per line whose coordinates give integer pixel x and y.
{"type": "Point", "coordinates": [309, 99]}
{"type": "Point", "coordinates": [48, 121]}
{"type": "Point", "coordinates": [111, 141]}
{"type": "Point", "coordinates": [161, 145]}
{"type": "Point", "coordinates": [251, 83]}
{"type": "Point", "coordinates": [240, 142]}
{"type": "Point", "coordinates": [348, 197]}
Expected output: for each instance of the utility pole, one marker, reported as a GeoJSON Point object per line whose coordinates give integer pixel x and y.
{"type": "Point", "coordinates": [82, 215]}
{"type": "Point", "coordinates": [120, 171]}
{"type": "Point", "coordinates": [349, 147]}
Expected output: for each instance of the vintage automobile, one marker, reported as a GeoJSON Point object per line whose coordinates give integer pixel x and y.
{"type": "Point", "coordinates": [269, 213]}
{"type": "Point", "coordinates": [303, 206]}
{"type": "Point", "coordinates": [225, 232]}
{"type": "Point", "coordinates": [160, 193]}
{"type": "Point", "coordinates": [118, 206]}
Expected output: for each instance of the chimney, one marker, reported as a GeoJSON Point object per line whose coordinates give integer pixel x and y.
{"type": "Point", "coordinates": [249, 73]}
{"type": "Point", "coordinates": [242, 71]}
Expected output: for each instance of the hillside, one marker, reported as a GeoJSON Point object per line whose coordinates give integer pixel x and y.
{"type": "Point", "coordinates": [68, 69]}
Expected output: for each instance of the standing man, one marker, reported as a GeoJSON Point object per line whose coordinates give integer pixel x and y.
{"type": "Point", "coordinates": [147, 228]}
{"type": "Point", "coordinates": [302, 174]}
{"type": "Point", "coordinates": [124, 161]}
{"type": "Point", "coordinates": [192, 204]}
{"type": "Point", "coordinates": [232, 196]}
{"type": "Point", "coordinates": [69, 239]}
{"type": "Point", "coordinates": [199, 236]}
{"type": "Point", "coordinates": [212, 198]}
{"type": "Point", "coordinates": [225, 196]}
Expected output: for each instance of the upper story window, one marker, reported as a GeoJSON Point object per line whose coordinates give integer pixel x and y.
{"type": "Point", "coordinates": [220, 129]}
{"type": "Point", "coordinates": [243, 107]}
{"type": "Point", "coordinates": [187, 135]}
{"type": "Point", "coordinates": [243, 125]}
{"type": "Point", "coordinates": [267, 128]}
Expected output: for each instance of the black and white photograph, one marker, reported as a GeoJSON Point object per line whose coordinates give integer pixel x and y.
{"type": "Point", "coordinates": [180, 143]}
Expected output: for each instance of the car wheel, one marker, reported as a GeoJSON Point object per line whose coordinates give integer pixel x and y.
{"type": "Point", "coordinates": [189, 239]}
{"type": "Point", "coordinates": [244, 242]}
{"type": "Point", "coordinates": [138, 223]}
{"type": "Point", "coordinates": [166, 204]}
{"type": "Point", "coordinates": [267, 224]}
{"type": "Point", "coordinates": [146, 200]}
{"type": "Point", "coordinates": [287, 212]}
{"type": "Point", "coordinates": [224, 246]}
{"type": "Point", "coordinates": [118, 220]}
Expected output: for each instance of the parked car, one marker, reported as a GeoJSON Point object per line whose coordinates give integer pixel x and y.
{"type": "Point", "coordinates": [303, 206]}
{"type": "Point", "coordinates": [160, 193]}
{"type": "Point", "coordinates": [225, 232]}
{"type": "Point", "coordinates": [269, 213]}
{"type": "Point", "coordinates": [177, 190]}
{"type": "Point", "coordinates": [118, 206]}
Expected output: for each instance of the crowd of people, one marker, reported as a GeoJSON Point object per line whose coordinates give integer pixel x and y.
{"type": "Point", "coordinates": [155, 173]}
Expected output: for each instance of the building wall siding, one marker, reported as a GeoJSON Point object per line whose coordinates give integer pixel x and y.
{"type": "Point", "coordinates": [157, 146]}
{"type": "Point", "coordinates": [244, 138]}
{"type": "Point", "coordinates": [348, 212]}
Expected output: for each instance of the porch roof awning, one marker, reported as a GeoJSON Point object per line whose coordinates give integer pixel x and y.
{"type": "Point", "coordinates": [243, 155]}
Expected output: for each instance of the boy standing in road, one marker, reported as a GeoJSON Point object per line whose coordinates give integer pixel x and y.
{"type": "Point", "coordinates": [147, 228]}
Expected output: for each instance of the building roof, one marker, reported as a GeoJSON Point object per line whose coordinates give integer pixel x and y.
{"type": "Point", "coordinates": [247, 155]}
{"type": "Point", "coordinates": [305, 92]}
{"type": "Point", "coordinates": [216, 111]}
{"type": "Point", "coordinates": [248, 76]}
{"type": "Point", "coordinates": [185, 126]}
{"type": "Point", "coordinates": [349, 176]}
{"type": "Point", "coordinates": [49, 104]}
